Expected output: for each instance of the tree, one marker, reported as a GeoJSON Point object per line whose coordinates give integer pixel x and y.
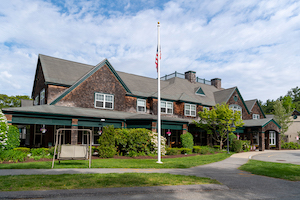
{"type": "Point", "coordinates": [282, 115]}
{"type": "Point", "coordinates": [295, 94]}
{"type": "Point", "coordinates": [268, 107]}
{"type": "Point", "coordinates": [3, 131]}
{"type": "Point", "coordinates": [11, 101]}
{"type": "Point", "coordinates": [219, 121]}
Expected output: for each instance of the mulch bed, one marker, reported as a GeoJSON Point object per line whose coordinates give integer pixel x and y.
{"type": "Point", "coordinates": [116, 157]}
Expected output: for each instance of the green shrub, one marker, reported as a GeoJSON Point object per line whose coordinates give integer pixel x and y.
{"type": "Point", "coordinates": [290, 145]}
{"type": "Point", "coordinates": [186, 151]}
{"type": "Point", "coordinates": [40, 153]}
{"type": "Point", "coordinates": [23, 149]}
{"type": "Point", "coordinates": [217, 146]}
{"type": "Point", "coordinates": [187, 140]}
{"type": "Point", "coordinates": [13, 137]}
{"type": "Point", "coordinates": [106, 146]}
{"type": "Point", "coordinates": [204, 149]}
{"type": "Point", "coordinates": [173, 151]}
{"type": "Point", "coordinates": [12, 155]}
{"type": "Point", "coordinates": [237, 146]}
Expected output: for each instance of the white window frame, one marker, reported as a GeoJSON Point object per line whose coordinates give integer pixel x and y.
{"type": "Point", "coordinates": [189, 111]}
{"type": "Point", "coordinates": [255, 116]}
{"type": "Point", "coordinates": [42, 97]}
{"type": "Point", "coordinates": [236, 108]}
{"type": "Point", "coordinates": [166, 107]}
{"type": "Point", "coordinates": [206, 108]}
{"type": "Point", "coordinates": [36, 100]}
{"type": "Point", "coordinates": [104, 100]}
{"type": "Point", "coordinates": [141, 103]}
{"type": "Point", "coordinates": [272, 136]}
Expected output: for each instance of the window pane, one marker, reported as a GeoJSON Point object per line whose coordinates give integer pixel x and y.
{"type": "Point", "coordinates": [108, 98]}
{"type": "Point", "coordinates": [193, 113]}
{"type": "Point", "coordinates": [141, 103]}
{"type": "Point", "coordinates": [187, 107]}
{"type": "Point", "coordinates": [108, 105]}
{"type": "Point", "coordinates": [187, 112]}
{"type": "Point", "coordinates": [100, 97]}
{"type": "Point", "coordinates": [162, 104]}
{"type": "Point", "coordinates": [99, 104]}
{"type": "Point", "coordinates": [163, 110]}
{"type": "Point", "coordinates": [141, 109]}
{"type": "Point", "coordinates": [170, 105]}
{"type": "Point", "coordinates": [193, 107]}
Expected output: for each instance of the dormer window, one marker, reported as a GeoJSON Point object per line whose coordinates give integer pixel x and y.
{"type": "Point", "coordinates": [141, 105]}
{"type": "Point", "coordinates": [104, 101]}
{"type": "Point", "coordinates": [200, 91]}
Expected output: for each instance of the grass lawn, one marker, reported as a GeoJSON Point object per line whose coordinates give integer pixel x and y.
{"type": "Point", "coordinates": [183, 162]}
{"type": "Point", "coordinates": [277, 170]}
{"type": "Point", "coordinates": [80, 181]}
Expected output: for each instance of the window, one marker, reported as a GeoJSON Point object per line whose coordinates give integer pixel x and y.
{"type": "Point", "coordinates": [200, 92]}
{"type": "Point", "coordinates": [36, 100]}
{"type": "Point", "coordinates": [272, 138]}
{"type": "Point", "coordinates": [42, 95]}
{"type": "Point", "coordinates": [190, 110]}
{"type": "Point", "coordinates": [255, 116]}
{"type": "Point", "coordinates": [166, 107]}
{"type": "Point", "coordinates": [206, 108]}
{"type": "Point", "coordinates": [236, 108]}
{"type": "Point", "coordinates": [141, 105]}
{"type": "Point", "coordinates": [104, 101]}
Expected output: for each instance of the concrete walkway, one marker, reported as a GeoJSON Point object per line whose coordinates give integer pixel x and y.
{"type": "Point", "coordinates": [243, 184]}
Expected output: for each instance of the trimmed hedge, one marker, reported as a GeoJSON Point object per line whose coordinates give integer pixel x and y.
{"type": "Point", "coordinates": [187, 140]}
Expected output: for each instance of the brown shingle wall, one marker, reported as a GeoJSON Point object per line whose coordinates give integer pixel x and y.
{"type": "Point", "coordinates": [54, 91]}
{"type": "Point", "coordinates": [102, 81]}
{"type": "Point", "coordinates": [239, 102]}
{"type": "Point", "coordinates": [256, 110]}
{"type": "Point", "coordinates": [271, 126]}
{"type": "Point", "coordinates": [39, 83]}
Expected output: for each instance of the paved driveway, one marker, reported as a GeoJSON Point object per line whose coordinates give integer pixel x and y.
{"type": "Point", "coordinates": [284, 156]}
{"type": "Point", "coordinates": [236, 184]}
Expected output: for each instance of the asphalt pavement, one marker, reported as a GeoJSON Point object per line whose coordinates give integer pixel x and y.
{"type": "Point", "coordinates": [236, 184]}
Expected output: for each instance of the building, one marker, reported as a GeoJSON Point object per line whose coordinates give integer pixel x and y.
{"type": "Point", "coordinates": [75, 95]}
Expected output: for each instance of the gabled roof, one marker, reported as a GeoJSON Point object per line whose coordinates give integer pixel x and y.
{"type": "Point", "coordinates": [62, 72]}
{"type": "Point", "coordinates": [224, 96]}
{"type": "Point", "coordinates": [250, 104]}
{"type": "Point", "coordinates": [87, 75]}
{"type": "Point", "coordinates": [259, 122]}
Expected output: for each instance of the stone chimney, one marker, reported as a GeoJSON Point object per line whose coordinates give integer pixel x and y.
{"type": "Point", "coordinates": [191, 76]}
{"type": "Point", "coordinates": [216, 82]}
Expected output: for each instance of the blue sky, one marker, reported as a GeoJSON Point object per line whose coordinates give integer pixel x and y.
{"type": "Point", "coordinates": [250, 44]}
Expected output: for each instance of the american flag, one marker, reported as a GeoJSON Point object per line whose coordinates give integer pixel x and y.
{"type": "Point", "coordinates": [156, 58]}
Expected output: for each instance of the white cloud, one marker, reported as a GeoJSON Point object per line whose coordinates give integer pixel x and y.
{"type": "Point", "coordinates": [250, 44]}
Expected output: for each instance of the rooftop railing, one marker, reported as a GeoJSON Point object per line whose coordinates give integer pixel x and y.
{"type": "Point", "coordinates": [180, 75]}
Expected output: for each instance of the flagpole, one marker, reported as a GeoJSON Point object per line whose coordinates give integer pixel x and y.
{"type": "Point", "coordinates": [158, 96]}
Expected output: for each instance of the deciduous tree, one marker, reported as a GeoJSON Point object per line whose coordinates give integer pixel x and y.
{"type": "Point", "coordinates": [219, 121]}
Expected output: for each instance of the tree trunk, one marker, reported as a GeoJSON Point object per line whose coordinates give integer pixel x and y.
{"type": "Point", "coordinates": [221, 144]}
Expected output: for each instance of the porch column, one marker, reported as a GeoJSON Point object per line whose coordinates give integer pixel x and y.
{"type": "Point", "coordinates": [74, 133]}
{"type": "Point", "coordinates": [184, 128]}
{"type": "Point", "coordinates": [261, 141]}
{"type": "Point", "coordinates": [153, 127]}
{"type": "Point", "coordinates": [268, 140]}
{"type": "Point", "coordinates": [278, 141]}
{"type": "Point", "coordinates": [9, 119]}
